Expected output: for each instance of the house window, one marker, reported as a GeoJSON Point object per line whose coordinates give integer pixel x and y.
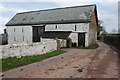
{"type": "Point", "coordinates": [14, 29]}
{"type": "Point", "coordinates": [75, 27]}
{"type": "Point", "coordinates": [22, 29]}
{"type": "Point", "coordinates": [56, 26]}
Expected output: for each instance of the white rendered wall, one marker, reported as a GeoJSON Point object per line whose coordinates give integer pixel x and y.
{"type": "Point", "coordinates": [74, 37]}
{"type": "Point", "coordinates": [19, 34]}
{"type": "Point", "coordinates": [80, 28]}
{"type": "Point", "coordinates": [84, 27]}
{"type": "Point", "coordinates": [27, 49]}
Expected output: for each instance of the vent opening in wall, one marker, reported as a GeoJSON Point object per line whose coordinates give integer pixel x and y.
{"type": "Point", "coordinates": [14, 29]}
{"type": "Point", "coordinates": [22, 29]}
{"type": "Point", "coordinates": [56, 26]}
{"type": "Point", "coordinates": [75, 27]}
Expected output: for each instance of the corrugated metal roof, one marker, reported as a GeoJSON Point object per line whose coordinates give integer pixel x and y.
{"type": "Point", "coordinates": [58, 15]}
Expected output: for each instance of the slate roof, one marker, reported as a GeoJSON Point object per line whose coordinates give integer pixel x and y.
{"type": "Point", "coordinates": [53, 16]}
{"type": "Point", "coordinates": [56, 34]}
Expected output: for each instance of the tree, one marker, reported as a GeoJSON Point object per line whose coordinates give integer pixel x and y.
{"type": "Point", "coordinates": [101, 32]}
{"type": "Point", "coordinates": [101, 28]}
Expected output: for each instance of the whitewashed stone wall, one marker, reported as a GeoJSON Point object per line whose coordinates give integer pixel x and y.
{"type": "Point", "coordinates": [19, 34]}
{"type": "Point", "coordinates": [87, 39]}
{"type": "Point", "coordinates": [63, 42]}
{"type": "Point", "coordinates": [25, 49]}
{"type": "Point", "coordinates": [74, 37]}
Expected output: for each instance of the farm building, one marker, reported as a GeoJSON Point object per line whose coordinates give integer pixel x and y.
{"type": "Point", "coordinates": [78, 23]}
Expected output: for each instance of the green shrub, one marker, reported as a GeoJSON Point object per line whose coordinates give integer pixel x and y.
{"type": "Point", "coordinates": [94, 46]}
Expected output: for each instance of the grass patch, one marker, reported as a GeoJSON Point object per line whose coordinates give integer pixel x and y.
{"type": "Point", "coordinates": [94, 46]}
{"type": "Point", "coordinates": [13, 62]}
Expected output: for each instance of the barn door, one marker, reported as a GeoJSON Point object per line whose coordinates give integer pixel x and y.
{"type": "Point", "coordinates": [37, 31]}
{"type": "Point", "coordinates": [81, 39]}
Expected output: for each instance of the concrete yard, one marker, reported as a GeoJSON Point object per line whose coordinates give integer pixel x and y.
{"type": "Point", "coordinates": [76, 63]}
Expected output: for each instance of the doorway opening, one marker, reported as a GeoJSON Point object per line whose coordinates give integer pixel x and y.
{"type": "Point", "coordinates": [81, 39]}
{"type": "Point", "coordinates": [37, 32]}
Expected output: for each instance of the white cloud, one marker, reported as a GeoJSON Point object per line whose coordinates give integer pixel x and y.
{"type": "Point", "coordinates": [59, 0]}
{"type": "Point", "coordinates": [4, 9]}
{"type": "Point", "coordinates": [15, 10]}
{"type": "Point", "coordinates": [2, 24]}
{"type": "Point", "coordinates": [110, 21]}
{"type": "Point", "coordinates": [4, 20]}
{"type": "Point", "coordinates": [71, 3]}
{"type": "Point", "coordinates": [103, 13]}
{"type": "Point", "coordinates": [106, 13]}
{"type": "Point", "coordinates": [2, 29]}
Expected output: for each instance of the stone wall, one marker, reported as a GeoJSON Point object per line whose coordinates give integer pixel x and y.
{"type": "Point", "coordinates": [74, 37]}
{"type": "Point", "coordinates": [63, 42]}
{"type": "Point", "coordinates": [25, 49]}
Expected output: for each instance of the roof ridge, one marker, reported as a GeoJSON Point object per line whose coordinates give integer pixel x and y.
{"type": "Point", "coordinates": [57, 8]}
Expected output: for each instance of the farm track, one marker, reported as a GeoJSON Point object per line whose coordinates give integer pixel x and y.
{"type": "Point", "coordinates": [76, 63]}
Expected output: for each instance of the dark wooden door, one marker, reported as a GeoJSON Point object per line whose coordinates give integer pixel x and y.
{"type": "Point", "coordinates": [37, 32]}
{"type": "Point", "coordinates": [81, 39]}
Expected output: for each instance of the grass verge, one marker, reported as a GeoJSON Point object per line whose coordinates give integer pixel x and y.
{"type": "Point", "coordinates": [13, 62]}
{"type": "Point", "coordinates": [94, 46]}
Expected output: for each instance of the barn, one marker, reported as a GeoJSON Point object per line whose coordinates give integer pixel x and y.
{"type": "Point", "coordinates": [78, 23]}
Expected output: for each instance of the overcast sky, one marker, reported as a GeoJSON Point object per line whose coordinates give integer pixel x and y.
{"type": "Point", "coordinates": [107, 11]}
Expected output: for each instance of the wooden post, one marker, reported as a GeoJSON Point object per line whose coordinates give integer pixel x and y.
{"type": "Point", "coordinates": [58, 44]}
{"type": "Point", "coordinates": [69, 43]}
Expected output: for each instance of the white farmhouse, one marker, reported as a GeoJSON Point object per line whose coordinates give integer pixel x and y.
{"type": "Point", "coordinates": [78, 23]}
